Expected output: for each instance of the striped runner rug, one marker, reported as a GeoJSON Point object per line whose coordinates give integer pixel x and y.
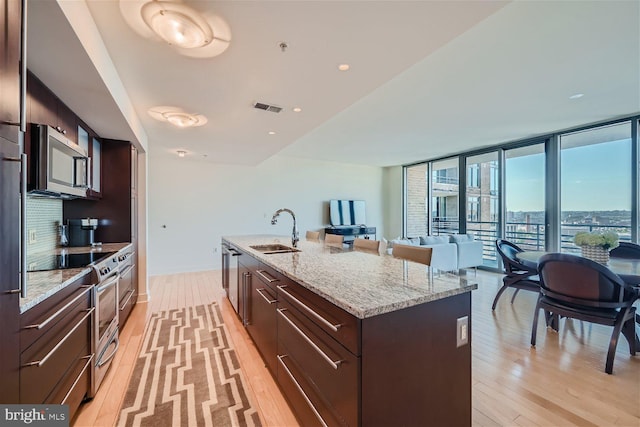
{"type": "Point", "coordinates": [187, 374]}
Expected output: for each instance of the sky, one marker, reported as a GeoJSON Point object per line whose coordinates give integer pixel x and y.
{"type": "Point", "coordinates": [593, 178]}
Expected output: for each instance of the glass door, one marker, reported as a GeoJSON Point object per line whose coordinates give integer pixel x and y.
{"type": "Point", "coordinates": [595, 192]}
{"type": "Point", "coordinates": [445, 195]}
{"type": "Point", "coordinates": [525, 197]}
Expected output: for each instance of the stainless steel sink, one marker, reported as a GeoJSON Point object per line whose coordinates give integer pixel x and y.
{"type": "Point", "coordinates": [274, 248]}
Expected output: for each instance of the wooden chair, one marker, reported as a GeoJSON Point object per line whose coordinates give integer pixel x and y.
{"type": "Point", "coordinates": [579, 288]}
{"type": "Point", "coordinates": [366, 244]}
{"type": "Point", "coordinates": [413, 253]}
{"type": "Point", "coordinates": [517, 275]}
{"type": "Point", "coordinates": [313, 235]}
{"type": "Point", "coordinates": [333, 239]}
{"type": "Point", "coordinates": [626, 250]}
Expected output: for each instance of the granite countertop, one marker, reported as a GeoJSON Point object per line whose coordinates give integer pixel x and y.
{"type": "Point", "coordinates": [43, 284]}
{"type": "Point", "coordinates": [364, 284]}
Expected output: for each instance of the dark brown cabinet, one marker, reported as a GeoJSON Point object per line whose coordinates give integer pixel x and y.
{"type": "Point", "coordinates": [261, 320]}
{"type": "Point", "coordinates": [315, 363]}
{"type": "Point", "coordinates": [9, 270]}
{"type": "Point", "coordinates": [114, 210]}
{"type": "Point", "coordinates": [44, 107]}
{"type": "Point", "coordinates": [56, 347]}
{"type": "Point", "coordinates": [10, 77]}
{"type": "Point", "coordinates": [403, 367]}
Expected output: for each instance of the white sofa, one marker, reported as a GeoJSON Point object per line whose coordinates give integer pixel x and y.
{"type": "Point", "coordinates": [450, 252]}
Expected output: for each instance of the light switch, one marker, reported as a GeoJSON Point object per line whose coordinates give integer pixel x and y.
{"type": "Point", "coordinates": [462, 331]}
{"type": "Point", "coordinates": [33, 237]}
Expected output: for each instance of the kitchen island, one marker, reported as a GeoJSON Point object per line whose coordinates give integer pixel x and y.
{"type": "Point", "coordinates": [357, 338]}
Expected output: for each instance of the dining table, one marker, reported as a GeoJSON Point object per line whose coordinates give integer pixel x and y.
{"type": "Point", "coordinates": [627, 269]}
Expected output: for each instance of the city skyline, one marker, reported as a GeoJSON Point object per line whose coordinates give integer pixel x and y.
{"type": "Point", "coordinates": [594, 178]}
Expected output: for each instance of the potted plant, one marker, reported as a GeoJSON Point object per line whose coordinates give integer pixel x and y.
{"type": "Point", "coordinates": [596, 245]}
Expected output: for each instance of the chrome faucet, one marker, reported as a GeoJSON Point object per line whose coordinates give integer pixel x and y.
{"type": "Point", "coordinates": [294, 232]}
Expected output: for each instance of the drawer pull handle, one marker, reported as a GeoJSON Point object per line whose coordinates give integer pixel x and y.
{"type": "Point", "coordinates": [299, 387]}
{"type": "Point", "coordinates": [42, 361]}
{"type": "Point", "coordinates": [330, 325]}
{"type": "Point", "coordinates": [334, 364]}
{"type": "Point", "coordinates": [90, 357]}
{"type": "Point", "coordinates": [104, 360]}
{"type": "Point", "coordinates": [269, 301]}
{"type": "Point", "coordinates": [131, 291]}
{"type": "Point", "coordinates": [266, 276]}
{"type": "Point", "coordinates": [59, 312]}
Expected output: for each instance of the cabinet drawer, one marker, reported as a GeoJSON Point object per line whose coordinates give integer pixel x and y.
{"type": "Point", "coordinates": [48, 360]}
{"type": "Point", "coordinates": [309, 407]}
{"type": "Point", "coordinates": [51, 316]}
{"type": "Point", "coordinates": [326, 364]}
{"type": "Point", "coordinates": [341, 325]}
{"type": "Point", "coordinates": [75, 385]}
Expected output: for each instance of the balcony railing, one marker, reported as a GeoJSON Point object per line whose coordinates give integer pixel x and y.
{"type": "Point", "coordinates": [526, 235]}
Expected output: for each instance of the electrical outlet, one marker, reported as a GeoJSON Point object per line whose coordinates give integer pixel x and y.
{"type": "Point", "coordinates": [462, 331]}
{"type": "Point", "coordinates": [33, 237]}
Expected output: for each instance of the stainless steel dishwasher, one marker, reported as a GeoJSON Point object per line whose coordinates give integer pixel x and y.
{"type": "Point", "coordinates": [230, 274]}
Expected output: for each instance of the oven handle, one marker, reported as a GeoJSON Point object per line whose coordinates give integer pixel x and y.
{"type": "Point", "coordinates": [109, 283]}
{"type": "Point", "coordinates": [102, 361]}
{"type": "Point", "coordinates": [42, 361]}
{"type": "Point", "coordinates": [62, 310]}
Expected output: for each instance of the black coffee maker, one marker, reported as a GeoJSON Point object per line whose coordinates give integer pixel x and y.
{"type": "Point", "coordinates": [81, 231]}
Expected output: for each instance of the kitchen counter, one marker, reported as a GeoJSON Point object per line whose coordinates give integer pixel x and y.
{"type": "Point", "coordinates": [362, 283]}
{"type": "Point", "coordinates": [43, 284]}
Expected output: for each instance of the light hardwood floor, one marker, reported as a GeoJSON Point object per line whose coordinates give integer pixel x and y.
{"type": "Point", "coordinates": [561, 382]}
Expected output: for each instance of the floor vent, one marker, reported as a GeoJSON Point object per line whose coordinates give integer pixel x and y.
{"type": "Point", "coordinates": [267, 107]}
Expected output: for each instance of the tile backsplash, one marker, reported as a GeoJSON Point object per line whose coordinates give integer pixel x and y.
{"type": "Point", "coordinates": [43, 217]}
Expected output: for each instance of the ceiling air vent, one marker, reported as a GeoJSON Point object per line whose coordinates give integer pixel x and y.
{"type": "Point", "coordinates": [267, 107]}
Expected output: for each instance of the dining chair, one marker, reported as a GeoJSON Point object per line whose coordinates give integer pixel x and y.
{"type": "Point", "coordinates": [333, 239]}
{"type": "Point", "coordinates": [626, 250]}
{"type": "Point", "coordinates": [517, 275]}
{"type": "Point", "coordinates": [579, 288]}
{"type": "Point", "coordinates": [412, 253]}
{"type": "Point", "coordinates": [312, 235]}
{"type": "Point", "coordinates": [366, 244]}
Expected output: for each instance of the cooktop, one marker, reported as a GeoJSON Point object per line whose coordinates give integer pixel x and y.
{"type": "Point", "coordinates": [63, 261]}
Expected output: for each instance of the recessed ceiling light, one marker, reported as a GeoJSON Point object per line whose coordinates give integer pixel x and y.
{"type": "Point", "coordinates": [181, 153]}
{"type": "Point", "coordinates": [576, 96]}
{"type": "Point", "coordinates": [177, 116]}
{"type": "Point", "coordinates": [296, 109]}
{"type": "Point", "coordinates": [271, 132]}
{"type": "Point", "coordinates": [344, 67]}
{"type": "Point", "coordinates": [199, 35]}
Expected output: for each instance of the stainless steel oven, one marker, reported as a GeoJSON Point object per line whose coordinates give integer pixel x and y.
{"type": "Point", "coordinates": [106, 324]}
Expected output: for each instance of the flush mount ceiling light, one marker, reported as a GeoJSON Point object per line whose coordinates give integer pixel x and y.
{"type": "Point", "coordinates": [576, 96]}
{"type": "Point", "coordinates": [344, 67]}
{"type": "Point", "coordinates": [191, 33]}
{"type": "Point", "coordinates": [181, 153]}
{"type": "Point", "coordinates": [177, 117]}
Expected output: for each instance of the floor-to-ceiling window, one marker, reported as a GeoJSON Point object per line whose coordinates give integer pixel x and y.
{"type": "Point", "coordinates": [445, 191]}
{"type": "Point", "coordinates": [554, 186]}
{"type": "Point", "coordinates": [595, 184]}
{"type": "Point", "coordinates": [483, 201]}
{"type": "Point", "coordinates": [525, 196]}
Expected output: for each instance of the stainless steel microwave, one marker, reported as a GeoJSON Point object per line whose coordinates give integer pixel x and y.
{"type": "Point", "coordinates": [59, 167]}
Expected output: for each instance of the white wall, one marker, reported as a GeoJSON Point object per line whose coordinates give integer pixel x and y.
{"type": "Point", "coordinates": [199, 202]}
